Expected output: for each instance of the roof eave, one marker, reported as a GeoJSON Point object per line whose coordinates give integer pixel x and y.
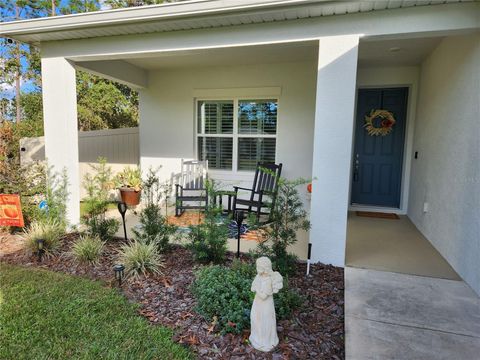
{"type": "Point", "coordinates": [170, 11]}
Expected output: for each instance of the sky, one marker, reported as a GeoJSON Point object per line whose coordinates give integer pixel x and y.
{"type": "Point", "coordinates": [8, 90]}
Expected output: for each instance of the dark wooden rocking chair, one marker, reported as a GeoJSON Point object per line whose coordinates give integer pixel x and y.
{"type": "Point", "coordinates": [192, 187]}
{"type": "Point", "coordinates": [265, 184]}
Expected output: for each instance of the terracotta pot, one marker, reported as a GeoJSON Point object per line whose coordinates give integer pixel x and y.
{"type": "Point", "coordinates": [130, 196]}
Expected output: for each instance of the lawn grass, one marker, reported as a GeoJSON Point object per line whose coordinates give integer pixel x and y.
{"type": "Point", "coordinates": [47, 315]}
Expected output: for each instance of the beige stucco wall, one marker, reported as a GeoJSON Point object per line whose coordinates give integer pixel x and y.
{"type": "Point", "coordinates": [167, 115]}
{"type": "Point", "coordinates": [446, 174]}
{"type": "Point", "coordinates": [167, 112]}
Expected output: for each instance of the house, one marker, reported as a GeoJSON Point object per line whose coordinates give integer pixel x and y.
{"type": "Point", "coordinates": [293, 81]}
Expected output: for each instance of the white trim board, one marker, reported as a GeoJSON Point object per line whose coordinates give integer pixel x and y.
{"type": "Point", "coordinates": [211, 94]}
{"type": "Point", "coordinates": [377, 209]}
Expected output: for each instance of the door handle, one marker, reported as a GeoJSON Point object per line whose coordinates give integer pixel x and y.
{"type": "Point", "coordinates": [356, 167]}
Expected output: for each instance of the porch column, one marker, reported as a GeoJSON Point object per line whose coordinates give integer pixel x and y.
{"type": "Point", "coordinates": [334, 120]}
{"type": "Point", "coordinates": [60, 121]}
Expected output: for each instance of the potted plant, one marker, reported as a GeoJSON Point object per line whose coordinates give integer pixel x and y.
{"type": "Point", "coordinates": [129, 182]}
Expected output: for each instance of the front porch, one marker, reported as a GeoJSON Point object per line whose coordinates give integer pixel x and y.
{"type": "Point", "coordinates": [393, 245]}
{"type": "Point", "coordinates": [311, 82]}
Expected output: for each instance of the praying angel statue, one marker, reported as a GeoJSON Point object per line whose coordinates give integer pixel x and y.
{"type": "Point", "coordinates": [263, 321]}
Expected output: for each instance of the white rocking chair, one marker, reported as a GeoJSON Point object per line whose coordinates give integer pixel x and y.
{"type": "Point", "coordinates": [192, 186]}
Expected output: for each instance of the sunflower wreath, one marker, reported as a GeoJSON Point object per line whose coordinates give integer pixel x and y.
{"type": "Point", "coordinates": [386, 123]}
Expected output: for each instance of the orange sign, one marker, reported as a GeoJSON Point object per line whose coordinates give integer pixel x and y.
{"type": "Point", "coordinates": [10, 211]}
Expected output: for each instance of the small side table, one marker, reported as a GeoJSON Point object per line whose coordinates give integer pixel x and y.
{"type": "Point", "coordinates": [218, 199]}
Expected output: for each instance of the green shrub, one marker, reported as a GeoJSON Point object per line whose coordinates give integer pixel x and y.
{"type": "Point", "coordinates": [223, 295]}
{"type": "Point", "coordinates": [28, 181]}
{"type": "Point", "coordinates": [287, 217]}
{"type": "Point", "coordinates": [140, 259]}
{"type": "Point", "coordinates": [34, 183]}
{"type": "Point", "coordinates": [98, 185]}
{"type": "Point", "coordinates": [87, 249]}
{"type": "Point", "coordinates": [286, 301]}
{"type": "Point", "coordinates": [104, 228]}
{"type": "Point", "coordinates": [154, 227]}
{"type": "Point", "coordinates": [208, 241]}
{"type": "Point", "coordinates": [51, 232]}
{"type": "Point", "coordinates": [56, 196]}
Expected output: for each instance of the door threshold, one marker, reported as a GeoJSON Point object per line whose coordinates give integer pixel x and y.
{"type": "Point", "coordinates": [371, 208]}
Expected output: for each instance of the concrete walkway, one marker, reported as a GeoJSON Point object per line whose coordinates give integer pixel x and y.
{"type": "Point", "coordinates": [398, 316]}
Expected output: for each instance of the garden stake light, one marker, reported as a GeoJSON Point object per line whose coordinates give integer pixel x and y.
{"type": "Point", "coordinates": [239, 217]}
{"type": "Point", "coordinates": [122, 209]}
{"type": "Point", "coordinates": [118, 269]}
{"type": "Point", "coordinates": [308, 258]}
{"type": "Point", "coordinates": [40, 246]}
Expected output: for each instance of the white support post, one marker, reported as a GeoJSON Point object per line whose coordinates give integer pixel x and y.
{"type": "Point", "coordinates": [61, 129]}
{"type": "Point", "coordinates": [334, 121]}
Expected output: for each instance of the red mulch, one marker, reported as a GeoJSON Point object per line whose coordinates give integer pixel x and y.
{"type": "Point", "coordinates": [316, 331]}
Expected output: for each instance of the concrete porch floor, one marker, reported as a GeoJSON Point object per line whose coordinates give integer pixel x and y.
{"type": "Point", "coordinates": [132, 219]}
{"type": "Point", "coordinates": [393, 245]}
{"type": "Point", "coordinates": [398, 316]}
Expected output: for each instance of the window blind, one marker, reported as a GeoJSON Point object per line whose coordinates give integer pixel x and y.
{"type": "Point", "coordinates": [215, 117]}
{"type": "Point", "coordinates": [253, 150]}
{"type": "Point", "coordinates": [218, 152]}
{"type": "Point", "coordinates": [252, 132]}
{"type": "Point", "coordinates": [257, 117]}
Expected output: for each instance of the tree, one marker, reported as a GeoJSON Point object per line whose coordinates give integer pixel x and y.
{"type": "Point", "coordinates": [15, 65]}
{"type": "Point", "coordinates": [103, 104]}
{"type": "Point", "coordinates": [117, 4]}
{"type": "Point", "coordinates": [21, 62]}
{"type": "Point", "coordinates": [32, 109]}
{"type": "Point", "coordinates": [78, 6]}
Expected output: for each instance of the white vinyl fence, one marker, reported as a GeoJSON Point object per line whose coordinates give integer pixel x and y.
{"type": "Point", "coordinates": [119, 146]}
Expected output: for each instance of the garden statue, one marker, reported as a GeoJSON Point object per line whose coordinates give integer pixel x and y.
{"type": "Point", "coordinates": [263, 322]}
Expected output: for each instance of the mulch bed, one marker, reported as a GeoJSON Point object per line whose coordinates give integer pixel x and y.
{"type": "Point", "coordinates": [316, 331]}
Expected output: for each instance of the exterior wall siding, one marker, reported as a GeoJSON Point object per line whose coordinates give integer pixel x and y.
{"type": "Point", "coordinates": [167, 111]}
{"type": "Point", "coordinates": [446, 174]}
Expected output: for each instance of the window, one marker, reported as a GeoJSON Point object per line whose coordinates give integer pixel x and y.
{"type": "Point", "coordinates": [236, 134]}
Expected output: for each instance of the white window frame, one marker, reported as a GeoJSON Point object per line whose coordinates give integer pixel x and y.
{"type": "Point", "coordinates": [235, 135]}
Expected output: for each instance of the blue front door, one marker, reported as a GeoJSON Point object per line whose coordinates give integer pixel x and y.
{"type": "Point", "coordinates": [378, 150]}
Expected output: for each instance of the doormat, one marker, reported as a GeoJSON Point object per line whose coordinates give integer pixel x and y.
{"type": "Point", "coordinates": [378, 215]}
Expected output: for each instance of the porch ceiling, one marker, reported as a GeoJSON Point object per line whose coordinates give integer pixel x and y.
{"type": "Point", "coordinates": [396, 52]}
{"type": "Point", "coordinates": [245, 55]}
{"type": "Point", "coordinates": [392, 52]}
